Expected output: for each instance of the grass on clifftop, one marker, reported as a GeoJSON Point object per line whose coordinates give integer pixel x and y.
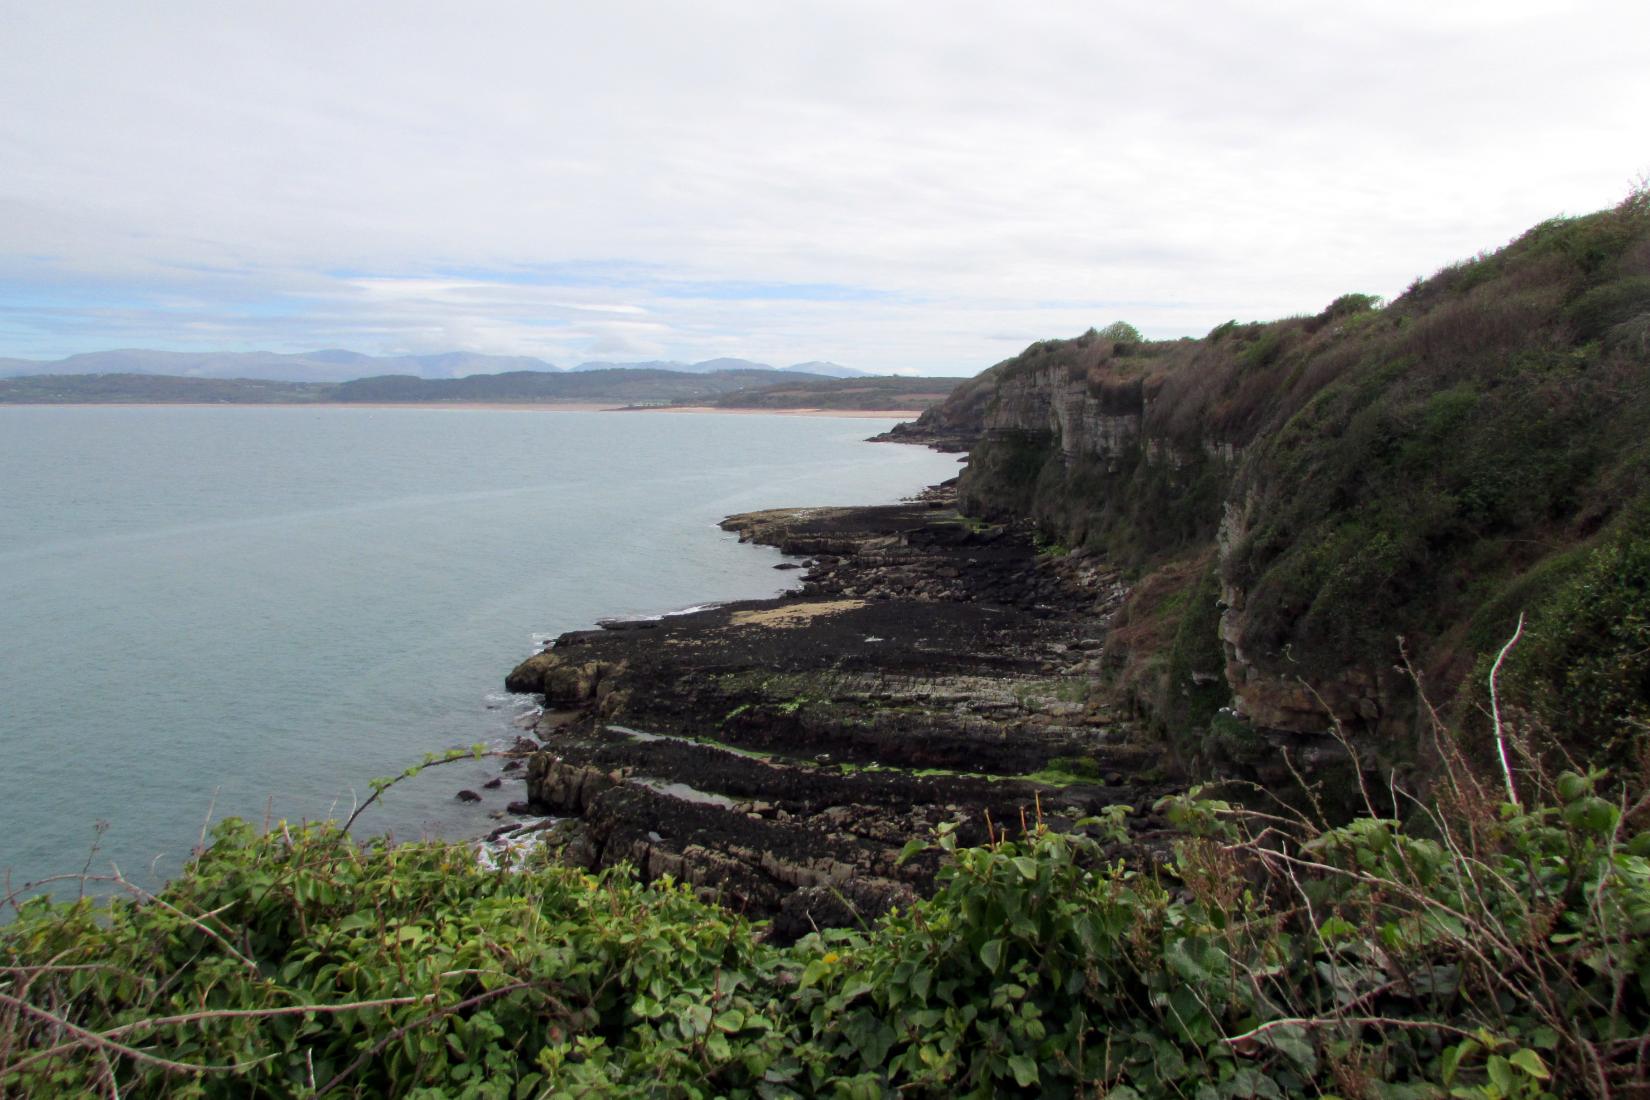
{"type": "Point", "coordinates": [1426, 470]}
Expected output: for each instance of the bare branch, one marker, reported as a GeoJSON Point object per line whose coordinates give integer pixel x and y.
{"type": "Point", "coordinates": [1495, 711]}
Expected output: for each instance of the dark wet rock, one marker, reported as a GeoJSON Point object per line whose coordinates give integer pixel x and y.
{"type": "Point", "coordinates": [520, 809]}
{"type": "Point", "coordinates": [467, 796]}
{"type": "Point", "coordinates": [493, 784]}
{"type": "Point", "coordinates": [777, 754]}
{"type": "Point", "coordinates": [565, 787]}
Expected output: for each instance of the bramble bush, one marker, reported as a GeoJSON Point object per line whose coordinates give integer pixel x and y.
{"type": "Point", "coordinates": [1470, 945]}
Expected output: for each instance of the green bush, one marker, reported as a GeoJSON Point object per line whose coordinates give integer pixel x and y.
{"type": "Point", "coordinates": [1605, 306]}
{"type": "Point", "coordinates": [1196, 684]}
{"type": "Point", "coordinates": [1584, 665]}
{"type": "Point", "coordinates": [1483, 951]}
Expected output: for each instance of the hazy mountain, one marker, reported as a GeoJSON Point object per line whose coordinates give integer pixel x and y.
{"type": "Point", "coordinates": [330, 365]}
{"type": "Point", "coordinates": [825, 367]}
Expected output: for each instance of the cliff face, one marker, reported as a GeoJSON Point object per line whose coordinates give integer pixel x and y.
{"type": "Point", "coordinates": [1333, 484]}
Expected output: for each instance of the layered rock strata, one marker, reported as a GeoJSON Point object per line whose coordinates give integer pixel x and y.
{"type": "Point", "coordinates": [778, 754]}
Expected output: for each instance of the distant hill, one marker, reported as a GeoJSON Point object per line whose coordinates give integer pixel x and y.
{"type": "Point", "coordinates": [863, 392]}
{"type": "Point", "coordinates": [109, 389]}
{"type": "Point", "coordinates": [620, 385]}
{"type": "Point", "coordinates": [707, 366]}
{"type": "Point", "coordinates": [342, 365]}
{"type": "Point", "coordinates": [629, 386]}
{"type": "Point", "coordinates": [332, 365]}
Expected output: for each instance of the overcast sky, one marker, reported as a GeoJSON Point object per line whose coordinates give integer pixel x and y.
{"type": "Point", "coordinates": [904, 186]}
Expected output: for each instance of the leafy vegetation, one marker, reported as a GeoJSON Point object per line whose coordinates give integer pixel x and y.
{"type": "Point", "coordinates": [1584, 666]}
{"type": "Point", "coordinates": [1426, 469]}
{"type": "Point", "coordinates": [1484, 949]}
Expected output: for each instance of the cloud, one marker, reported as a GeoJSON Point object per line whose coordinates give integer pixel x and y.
{"type": "Point", "coordinates": [882, 185]}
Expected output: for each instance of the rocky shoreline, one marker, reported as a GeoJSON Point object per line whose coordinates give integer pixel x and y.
{"type": "Point", "coordinates": [778, 754]}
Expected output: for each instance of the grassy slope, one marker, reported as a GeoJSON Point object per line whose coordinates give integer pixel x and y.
{"type": "Point", "coordinates": [1428, 470]}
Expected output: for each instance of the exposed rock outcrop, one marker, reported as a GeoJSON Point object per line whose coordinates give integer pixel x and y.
{"type": "Point", "coordinates": [1423, 471]}
{"type": "Point", "coordinates": [778, 754]}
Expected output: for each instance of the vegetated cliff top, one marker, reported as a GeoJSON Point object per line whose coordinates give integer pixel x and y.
{"type": "Point", "coordinates": [1576, 287]}
{"type": "Point", "coordinates": [1429, 469]}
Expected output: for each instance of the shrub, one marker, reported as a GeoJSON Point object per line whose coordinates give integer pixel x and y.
{"type": "Point", "coordinates": [1610, 304]}
{"type": "Point", "coordinates": [1483, 949]}
{"type": "Point", "coordinates": [1348, 304]}
{"type": "Point", "coordinates": [1121, 332]}
{"type": "Point", "coordinates": [1584, 665]}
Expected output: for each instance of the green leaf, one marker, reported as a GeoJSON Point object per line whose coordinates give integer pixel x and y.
{"type": "Point", "coordinates": [1027, 867]}
{"type": "Point", "coordinates": [912, 847]}
{"type": "Point", "coordinates": [1335, 928]}
{"type": "Point", "coordinates": [1501, 1074]}
{"type": "Point", "coordinates": [1451, 1062]}
{"type": "Point", "coordinates": [991, 953]}
{"type": "Point", "coordinates": [1293, 1044]}
{"type": "Point", "coordinates": [1593, 815]}
{"type": "Point", "coordinates": [1530, 1062]}
{"type": "Point", "coordinates": [1024, 1070]}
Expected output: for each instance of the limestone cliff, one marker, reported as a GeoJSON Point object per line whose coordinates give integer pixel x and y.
{"type": "Point", "coordinates": [1333, 484]}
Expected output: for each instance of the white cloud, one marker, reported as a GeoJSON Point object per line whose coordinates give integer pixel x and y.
{"type": "Point", "coordinates": [965, 162]}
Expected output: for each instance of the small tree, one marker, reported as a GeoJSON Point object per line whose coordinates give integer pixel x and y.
{"type": "Point", "coordinates": [1121, 332]}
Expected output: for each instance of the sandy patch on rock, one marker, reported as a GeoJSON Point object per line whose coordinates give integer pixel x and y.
{"type": "Point", "coordinates": [794, 615]}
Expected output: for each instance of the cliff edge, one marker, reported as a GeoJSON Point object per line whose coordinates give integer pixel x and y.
{"type": "Point", "coordinates": [1322, 511]}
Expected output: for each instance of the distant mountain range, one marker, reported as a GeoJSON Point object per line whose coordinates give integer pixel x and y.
{"type": "Point", "coordinates": [614, 386]}
{"type": "Point", "coordinates": [337, 365]}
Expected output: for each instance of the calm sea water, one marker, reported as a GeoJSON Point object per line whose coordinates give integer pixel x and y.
{"type": "Point", "coordinates": [248, 611]}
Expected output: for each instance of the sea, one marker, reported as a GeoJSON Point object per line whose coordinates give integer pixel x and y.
{"type": "Point", "coordinates": [255, 611]}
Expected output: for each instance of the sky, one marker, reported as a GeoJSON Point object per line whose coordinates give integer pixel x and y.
{"type": "Point", "coordinates": [919, 187]}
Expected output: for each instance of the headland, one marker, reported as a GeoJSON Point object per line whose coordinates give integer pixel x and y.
{"type": "Point", "coordinates": [778, 754]}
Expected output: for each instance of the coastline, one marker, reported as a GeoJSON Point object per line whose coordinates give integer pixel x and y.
{"type": "Point", "coordinates": [463, 406]}
{"type": "Point", "coordinates": [777, 754]}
